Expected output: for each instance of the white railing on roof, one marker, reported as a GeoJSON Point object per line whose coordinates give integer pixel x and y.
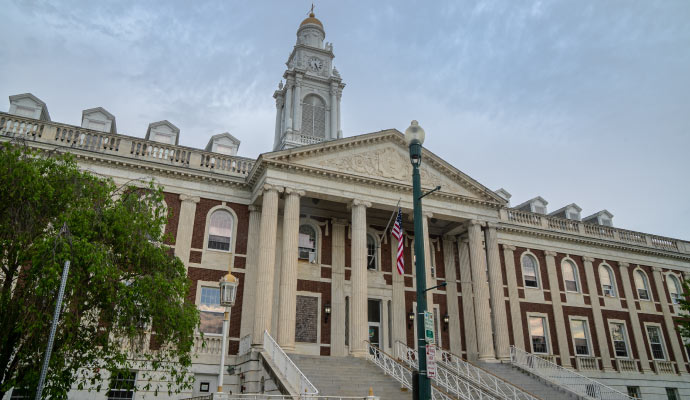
{"type": "Point", "coordinates": [562, 224]}
{"type": "Point", "coordinates": [523, 217]}
{"type": "Point", "coordinates": [400, 372]}
{"type": "Point", "coordinates": [287, 368]}
{"type": "Point", "coordinates": [75, 137]}
{"type": "Point", "coordinates": [564, 378]}
{"type": "Point", "coordinates": [464, 368]}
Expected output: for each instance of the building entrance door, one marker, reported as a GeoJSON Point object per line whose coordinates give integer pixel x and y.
{"type": "Point", "coordinates": [374, 314]}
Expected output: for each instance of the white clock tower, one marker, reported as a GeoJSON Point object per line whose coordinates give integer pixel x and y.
{"type": "Point", "coordinates": [308, 105]}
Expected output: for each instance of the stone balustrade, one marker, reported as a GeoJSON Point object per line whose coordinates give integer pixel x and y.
{"type": "Point", "coordinates": [208, 345]}
{"type": "Point", "coordinates": [626, 365]}
{"type": "Point", "coordinates": [51, 133]}
{"type": "Point", "coordinates": [664, 367]}
{"type": "Point", "coordinates": [586, 363]}
{"type": "Point", "coordinates": [526, 218]}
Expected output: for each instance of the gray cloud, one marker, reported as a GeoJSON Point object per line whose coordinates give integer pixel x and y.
{"type": "Point", "coordinates": [582, 102]}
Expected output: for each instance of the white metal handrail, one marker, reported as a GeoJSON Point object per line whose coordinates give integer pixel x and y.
{"type": "Point", "coordinates": [399, 372]}
{"type": "Point", "coordinates": [287, 368]}
{"type": "Point", "coordinates": [481, 377]}
{"type": "Point", "coordinates": [453, 383]}
{"type": "Point", "coordinates": [565, 378]}
{"type": "Point", "coordinates": [258, 396]}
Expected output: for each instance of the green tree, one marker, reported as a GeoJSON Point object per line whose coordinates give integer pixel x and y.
{"type": "Point", "coordinates": [124, 306]}
{"type": "Point", "coordinates": [684, 320]}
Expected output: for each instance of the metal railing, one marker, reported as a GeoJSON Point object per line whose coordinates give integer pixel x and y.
{"type": "Point", "coordinates": [287, 368]}
{"type": "Point", "coordinates": [564, 378]}
{"type": "Point", "coordinates": [257, 396]}
{"type": "Point", "coordinates": [446, 378]}
{"type": "Point", "coordinates": [481, 377]}
{"type": "Point", "coordinates": [401, 373]}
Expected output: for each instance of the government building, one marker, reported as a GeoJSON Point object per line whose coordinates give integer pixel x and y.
{"type": "Point", "coordinates": [534, 290]}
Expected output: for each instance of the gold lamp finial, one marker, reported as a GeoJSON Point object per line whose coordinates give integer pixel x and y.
{"type": "Point", "coordinates": [311, 12]}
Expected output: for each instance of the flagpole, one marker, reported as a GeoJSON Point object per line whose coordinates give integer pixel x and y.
{"type": "Point", "coordinates": [395, 211]}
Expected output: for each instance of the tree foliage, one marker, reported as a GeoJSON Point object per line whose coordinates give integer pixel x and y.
{"type": "Point", "coordinates": [124, 305]}
{"type": "Point", "coordinates": [684, 320]}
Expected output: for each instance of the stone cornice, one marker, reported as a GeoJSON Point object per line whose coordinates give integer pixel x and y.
{"type": "Point", "coordinates": [590, 241]}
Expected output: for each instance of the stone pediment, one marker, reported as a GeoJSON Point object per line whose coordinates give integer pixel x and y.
{"type": "Point", "coordinates": [383, 156]}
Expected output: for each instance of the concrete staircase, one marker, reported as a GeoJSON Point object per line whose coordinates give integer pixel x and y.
{"type": "Point", "coordinates": [528, 382]}
{"type": "Point", "coordinates": [348, 376]}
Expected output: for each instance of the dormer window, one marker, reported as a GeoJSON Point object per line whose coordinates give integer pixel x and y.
{"type": "Point", "coordinates": [29, 106]}
{"type": "Point", "coordinates": [163, 132]}
{"type": "Point", "coordinates": [603, 218]}
{"type": "Point", "coordinates": [98, 119]}
{"type": "Point", "coordinates": [223, 143]}
{"type": "Point", "coordinates": [536, 205]}
{"type": "Point", "coordinates": [571, 212]}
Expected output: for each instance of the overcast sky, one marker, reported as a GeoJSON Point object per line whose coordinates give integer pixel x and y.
{"type": "Point", "coordinates": [576, 101]}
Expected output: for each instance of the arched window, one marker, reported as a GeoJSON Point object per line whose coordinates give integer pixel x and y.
{"type": "Point", "coordinates": [674, 288]}
{"type": "Point", "coordinates": [642, 285]}
{"type": "Point", "coordinates": [307, 243]}
{"type": "Point", "coordinates": [314, 117]}
{"type": "Point", "coordinates": [570, 276]}
{"type": "Point", "coordinates": [530, 271]}
{"type": "Point", "coordinates": [607, 280]}
{"type": "Point", "coordinates": [220, 230]}
{"type": "Point", "coordinates": [372, 253]}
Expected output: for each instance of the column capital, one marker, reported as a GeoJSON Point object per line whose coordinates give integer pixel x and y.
{"type": "Point", "coordinates": [508, 247]}
{"type": "Point", "coordinates": [656, 269]}
{"type": "Point", "coordinates": [623, 264]}
{"type": "Point", "coordinates": [491, 225]}
{"type": "Point", "coordinates": [339, 222]}
{"type": "Point", "coordinates": [267, 187]}
{"type": "Point", "coordinates": [449, 238]}
{"type": "Point", "coordinates": [357, 202]}
{"type": "Point", "coordinates": [550, 253]}
{"type": "Point", "coordinates": [254, 208]}
{"type": "Point", "coordinates": [588, 259]}
{"type": "Point", "coordinates": [188, 198]}
{"type": "Point", "coordinates": [293, 191]}
{"type": "Point", "coordinates": [428, 214]}
{"type": "Point", "coordinates": [474, 222]}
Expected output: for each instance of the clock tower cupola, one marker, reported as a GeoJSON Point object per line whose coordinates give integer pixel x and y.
{"type": "Point", "coordinates": [308, 104]}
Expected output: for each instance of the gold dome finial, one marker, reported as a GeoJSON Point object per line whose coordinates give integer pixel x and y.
{"type": "Point", "coordinates": [312, 18]}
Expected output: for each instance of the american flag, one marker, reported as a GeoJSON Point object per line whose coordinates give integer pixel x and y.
{"type": "Point", "coordinates": [398, 234]}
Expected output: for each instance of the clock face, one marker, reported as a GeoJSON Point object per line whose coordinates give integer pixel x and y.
{"type": "Point", "coordinates": [315, 64]}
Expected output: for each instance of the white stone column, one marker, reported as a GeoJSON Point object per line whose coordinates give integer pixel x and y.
{"type": "Point", "coordinates": [676, 346]}
{"type": "Point", "coordinates": [599, 324]}
{"type": "Point", "coordinates": [185, 227]}
{"type": "Point", "coordinates": [635, 327]}
{"type": "Point", "coordinates": [513, 297]}
{"type": "Point", "coordinates": [467, 299]}
{"type": "Point", "coordinates": [359, 278]}
{"type": "Point", "coordinates": [338, 347]}
{"type": "Point", "coordinates": [334, 112]}
{"type": "Point", "coordinates": [558, 318]}
{"type": "Point", "coordinates": [289, 82]}
{"type": "Point", "coordinates": [398, 298]}
{"type": "Point", "coordinates": [498, 300]}
{"type": "Point", "coordinates": [288, 272]}
{"type": "Point", "coordinates": [279, 122]}
{"type": "Point", "coordinates": [428, 253]}
{"type": "Point", "coordinates": [482, 311]}
{"type": "Point", "coordinates": [452, 296]}
{"type": "Point", "coordinates": [297, 124]}
{"type": "Point", "coordinates": [250, 267]}
{"type": "Point", "coordinates": [340, 132]}
{"type": "Point", "coordinates": [266, 263]}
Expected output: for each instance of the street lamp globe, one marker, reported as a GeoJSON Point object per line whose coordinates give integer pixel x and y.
{"type": "Point", "coordinates": [414, 134]}
{"type": "Point", "coordinates": [228, 290]}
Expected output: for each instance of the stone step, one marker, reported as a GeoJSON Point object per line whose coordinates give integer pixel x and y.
{"type": "Point", "coordinates": [527, 382]}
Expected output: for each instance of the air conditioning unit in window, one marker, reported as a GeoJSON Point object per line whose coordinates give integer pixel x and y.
{"type": "Point", "coordinates": [608, 291]}
{"type": "Point", "coordinates": [312, 257]}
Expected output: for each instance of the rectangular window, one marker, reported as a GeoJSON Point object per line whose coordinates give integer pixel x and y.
{"type": "Point", "coordinates": [122, 385]}
{"type": "Point", "coordinates": [654, 336]}
{"type": "Point", "coordinates": [578, 329]}
{"type": "Point", "coordinates": [634, 392]}
{"type": "Point", "coordinates": [537, 332]}
{"type": "Point", "coordinates": [672, 394]}
{"type": "Point", "coordinates": [210, 311]}
{"type": "Point", "coordinates": [620, 342]}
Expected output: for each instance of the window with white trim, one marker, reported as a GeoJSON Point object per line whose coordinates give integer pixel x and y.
{"type": "Point", "coordinates": [122, 385]}
{"type": "Point", "coordinates": [607, 281]}
{"type": "Point", "coordinates": [578, 329]}
{"type": "Point", "coordinates": [634, 392]}
{"type": "Point", "coordinates": [674, 288]}
{"type": "Point", "coordinates": [619, 339]}
{"type": "Point", "coordinates": [372, 252]}
{"type": "Point", "coordinates": [537, 333]}
{"type": "Point", "coordinates": [656, 342]}
{"type": "Point", "coordinates": [210, 311]}
{"type": "Point", "coordinates": [220, 230]}
{"type": "Point", "coordinates": [641, 284]}
{"type": "Point", "coordinates": [672, 394]}
{"type": "Point", "coordinates": [530, 270]}
{"type": "Point", "coordinates": [307, 243]}
{"type": "Point", "coordinates": [570, 276]}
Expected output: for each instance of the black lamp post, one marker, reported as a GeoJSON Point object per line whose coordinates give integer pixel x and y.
{"type": "Point", "coordinates": [414, 136]}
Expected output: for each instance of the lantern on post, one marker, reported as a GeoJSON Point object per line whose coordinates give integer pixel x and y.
{"type": "Point", "coordinates": [228, 290]}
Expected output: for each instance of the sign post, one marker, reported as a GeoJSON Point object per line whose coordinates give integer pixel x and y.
{"type": "Point", "coordinates": [431, 361]}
